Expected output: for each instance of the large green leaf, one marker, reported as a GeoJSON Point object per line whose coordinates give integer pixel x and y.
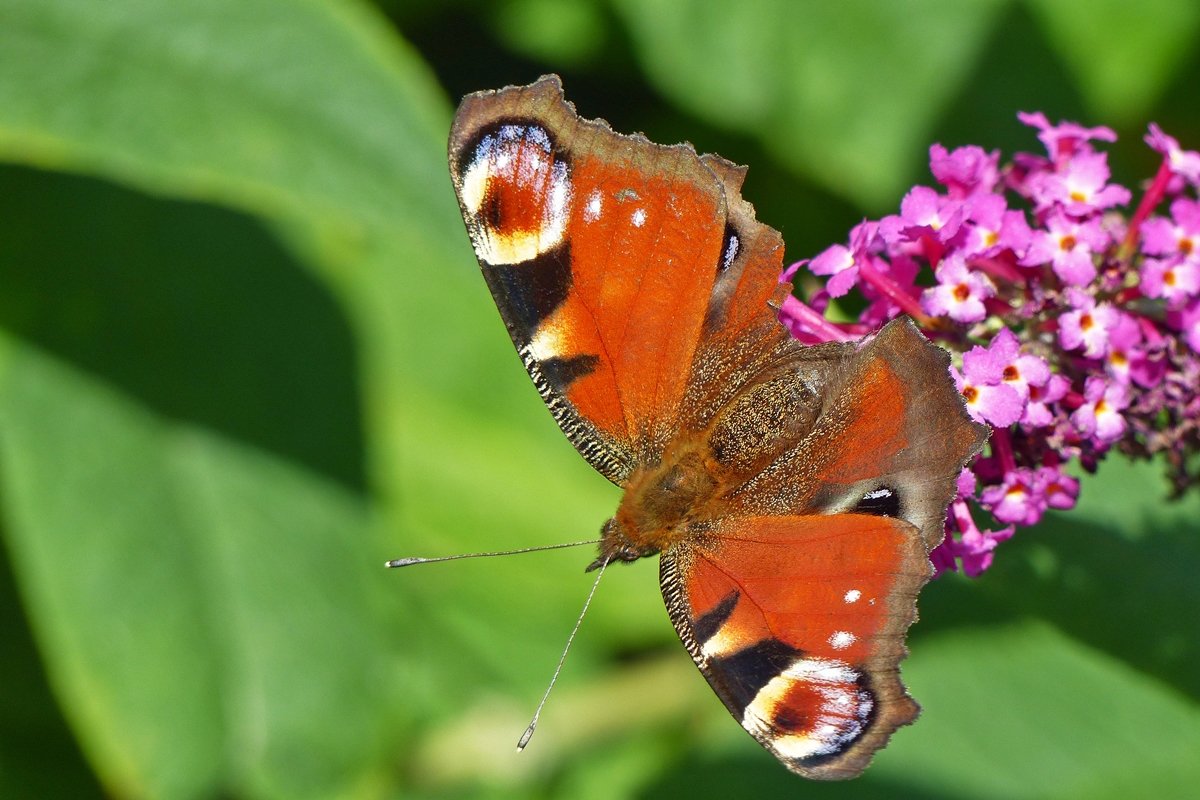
{"type": "Point", "coordinates": [314, 116]}
{"type": "Point", "coordinates": [847, 92]}
{"type": "Point", "coordinates": [39, 758]}
{"type": "Point", "coordinates": [206, 611]}
{"type": "Point", "coordinates": [1008, 712]}
{"type": "Point", "coordinates": [1122, 54]}
{"type": "Point", "coordinates": [1026, 712]}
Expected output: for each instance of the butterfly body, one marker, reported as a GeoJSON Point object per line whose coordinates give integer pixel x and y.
{"type": "Point", "coordinates": [793, 493]}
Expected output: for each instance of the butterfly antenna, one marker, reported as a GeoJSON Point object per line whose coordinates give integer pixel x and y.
{"type": "Point", "coordinates": [407, 562]}
{"type": "Point", "coordinates": [528, 734]}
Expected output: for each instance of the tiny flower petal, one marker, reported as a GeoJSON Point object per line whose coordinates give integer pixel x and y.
{"type": "Point", "coordinates": [1059, 489]}
{"type": "Point", "coordinates": [1066, 138]}
{"type": "Point", "coordinates": [967, 171]}
{"type": "Point", "coordinates": [1185, 163]}
{"type": "Point", "coordinates": [1018, 500]}
{"type": "Point", "coordinates": [959, 293]}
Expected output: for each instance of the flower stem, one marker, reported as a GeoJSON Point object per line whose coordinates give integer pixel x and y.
{"type": "Point", "coordinates": [999, 269]}
{"type": "Point", "coordinates": [808, 318]}
{"type": "Point", "coordinates": [1002, 447]}
{"type": "Point", "coordinates": [1150, 201]}
{"type": "Point", "coordinates": [889, 289]}
{"type": "Point", "coordinates": [961, 513]}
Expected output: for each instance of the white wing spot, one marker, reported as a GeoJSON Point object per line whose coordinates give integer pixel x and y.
{"type": "Point", "coordinates": [853, 595]}
{"type": "Point", "coordinates": [591, 211]}
{"type": "Point", "coordinates": [639, 218]}
{"type": "Point", "coordinates": [842, 639]}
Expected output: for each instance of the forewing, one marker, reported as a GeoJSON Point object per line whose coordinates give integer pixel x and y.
{"type": "Point", "coordinates": [798, 624]}
{"type": "Point", "coordinates": [602, 252]}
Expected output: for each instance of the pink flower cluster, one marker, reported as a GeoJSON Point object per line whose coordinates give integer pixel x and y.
{"type": "Point", "coordinates": [1073, 328]}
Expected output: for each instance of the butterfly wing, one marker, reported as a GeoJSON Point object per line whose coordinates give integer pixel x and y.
{"type": "Point", "coordinates": [798, 624]}
{"type": "Point", "coordinates": [891, 433]}
{"type": "Point", "coordinates": [795, 599]}
{"type": "Point", "coordinates": [602, 252]}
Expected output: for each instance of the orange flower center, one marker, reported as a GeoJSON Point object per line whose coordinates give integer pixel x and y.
{"type": "Point", "coordinates": [1169, 277]}
{"type": "Point", "coordinates": [1085, 322]}
{"type": "Point", "coordinates": [1118, 358]}
{"type": "Point", "coordinates": [1011, 373]}
{"type": "Point", "coordinates": [961, 293]}
{"type": "Point", "coordinates": [1078, 197]}
{"type": "Point", "coordinates": [970, 393]}
{"type": "Point", "coordinates": [1185, 246]}
{"type": "Point", "coordinates": [1067, 243]}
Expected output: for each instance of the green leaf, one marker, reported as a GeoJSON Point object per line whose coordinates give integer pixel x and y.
{"type": "Point", "coordinates": [1123, 55]}
{"type": "Point", "coordinates": [1015, 710]}
{"type": "Point", "coordinates": [1025, 712]}
{"type": "Point", "coordinates": [316, 117]}
{"type": "Point", "coordinates": [206, 611]}
{"type": "Point", "coordinates": [847, 93]}
{"type": "Point", "coordinates": [39, 758]}
{"type": "Point", "coordinates": [194, 310]}
{"type": "Point", "coordinates": [567, 33]}
{"type": "Point", "coordinates": [1131, 497]}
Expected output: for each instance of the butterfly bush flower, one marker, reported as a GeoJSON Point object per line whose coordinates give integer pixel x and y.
{"type": "Point", "coordinates": [1072, 321]}
{"type": "Point", "coordinates": [959, 293]}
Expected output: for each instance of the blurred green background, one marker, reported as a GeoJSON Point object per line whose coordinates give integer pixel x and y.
{"type": "Point", "coordinates": [246, 355]}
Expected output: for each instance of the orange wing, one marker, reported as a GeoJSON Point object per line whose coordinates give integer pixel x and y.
{"type": "Point", "coordinates": [892, 432]}
{"type": "Point", "coordinates": [610, 258]}
{"type": "Point", "coordinates": [795, 597]}
{"type": "Point", "coordinates": [798, 624]}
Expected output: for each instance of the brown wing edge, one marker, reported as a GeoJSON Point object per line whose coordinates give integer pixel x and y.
{"type": "Point", "coordinates": [894, 706]}
{"type": "Point", "coordinates": [932, 395]}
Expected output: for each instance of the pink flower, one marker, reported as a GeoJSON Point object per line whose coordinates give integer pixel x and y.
{"type": "Point", "coordinates": [1123, 341]}
{"type": "Point", "coordinates": [1182, 237]}
{"type": "Point", "coordinates": [967, 171]}
{"type": "Point", "coordinates": [959, 293]}
{"type": "Point", "coordinates": [1059, 489]}
{"type": "Point", "coordinates": [841, 263]}
{"type": "Point", "coordinates": [1187, 322]}
{"type": "Point", "coordinates": [1185, 163]}
{"type": "Point", "coordinates": [1018, 500]}
{"type": "Point", "coordinates": [992, 228]}
{"type": "Point", "coordinates": [1003, 363]}
{"type": "Point", "coordinates": [923, 212]}
{"type": "Point", "coordinates": [1068, 246]}
{"type": "Point", "coordinates": [1100, 417]}
{"type": "Point", "coordinates": [1065, 139]}
{"type": "Point", "coordinates": [966, 483]}
{"type": "Point", "coordinates": [989, 402]}
{"type": "Point", "coordinates": [1037, 412]}
{"type": "Point", "coordinates": [942, 556]}
{"type": "Point", "coordinates": [1173, 279]}
{"type": "Point", "coordinates": [1080, 186]}
{"type": "Point", "coordinates": [902, 271]}
{"type": "Point", "coordinates": [974, 547]}
{"type": "Point", "coordinates": [1088, 326]}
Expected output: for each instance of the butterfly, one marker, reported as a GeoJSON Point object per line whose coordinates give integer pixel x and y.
{"type": "Point", "coordinates": [791, 492]}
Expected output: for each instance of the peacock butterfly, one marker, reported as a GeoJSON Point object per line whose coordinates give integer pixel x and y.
{"type": "Point", "coordinates": [792, 493]}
